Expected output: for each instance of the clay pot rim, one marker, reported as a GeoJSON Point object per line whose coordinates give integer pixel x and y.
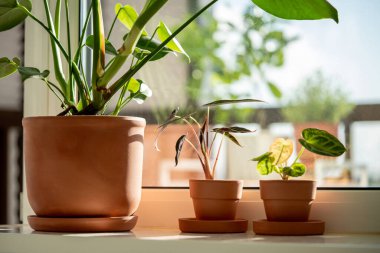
{"type": "Point", "coordinates": [84, 119]}
{"type": "Point", "coordinates": [289, 181]}
{"type": "Point", "coordinates": [217, 180]}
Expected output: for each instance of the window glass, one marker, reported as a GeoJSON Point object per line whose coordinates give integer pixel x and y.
{"type": "Point", "coordinates": [310, 74]}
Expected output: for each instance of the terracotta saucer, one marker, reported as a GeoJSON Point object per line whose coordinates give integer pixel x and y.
{"type": "Point", "coordinates": [103, 224]}
{"type": "Point", "coordinates": [192, 225]}
{"type": "Point", "coordinates": [311, 227]}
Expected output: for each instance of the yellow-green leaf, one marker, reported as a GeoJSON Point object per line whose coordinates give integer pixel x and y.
{"type": "Point", "coordinates": [127, 15]}
{"type": "Point", "coordinates": [163, 33]}
{"type": "Point", "coordinates": [133, 85]}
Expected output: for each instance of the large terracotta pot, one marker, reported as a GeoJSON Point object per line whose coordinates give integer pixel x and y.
{"type": "Point", "coordinates": [83, 166]}
{"type": "Point", "coordinates": [215, 199]}
{"type": "Point", "coordinates": [287, 200]}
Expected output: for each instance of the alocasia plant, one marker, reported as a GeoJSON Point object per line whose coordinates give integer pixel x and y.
{"type": "Point", "coordinates": [80, 96]}
{"type": "Point", "coordinates": [277, 159]}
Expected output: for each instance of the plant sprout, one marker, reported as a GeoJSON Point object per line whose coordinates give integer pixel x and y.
{"type": "Point", "coordinates": [205, 138]}
{"type": "Point", "coordinates": [277, 159]}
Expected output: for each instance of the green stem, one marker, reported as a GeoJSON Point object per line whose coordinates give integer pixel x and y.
{"type": "Point", "coordinates": [83, 34]}
{"type": "Point", "coordinates": [130, 73]}
{"type": "Point", "coordinates": [131, 41]}
{"type": "Point", "coordinates": [57, 18]}
{"type": "Point", "coordinates": [217, 157]}
{"type": "Point", "coordinates": [298, 156]}
{"type": "Point", "coordinates": [56, 55]}
{"type": "Point", "coordinates": [52, 35]}
{"type": "Point", "coordinates": [49, 85]}
{"type": "Point", "coordinates": [70, 87]}
{"type": "Point", "coordinates": [113, 23]}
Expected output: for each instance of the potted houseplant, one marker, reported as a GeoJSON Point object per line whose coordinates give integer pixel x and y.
{"type": "Point", "coordinates": [74, 168]}
{"type": "Point", "coordinates": [316, 103]}
{"type": "Point", "coordinates": [215, 201]}
{"type": "Point", "coordinates": [287, 202]}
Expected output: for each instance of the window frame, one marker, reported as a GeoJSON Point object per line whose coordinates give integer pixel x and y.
{"type": "Point", "coordinates": [345, 210]}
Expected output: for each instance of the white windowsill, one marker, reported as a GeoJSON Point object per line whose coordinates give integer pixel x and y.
{"type": "Point", "coordinates": [21, 238]}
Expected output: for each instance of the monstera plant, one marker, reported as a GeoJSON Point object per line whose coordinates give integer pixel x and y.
{"type": "Point", "coordinates": [80, 96]}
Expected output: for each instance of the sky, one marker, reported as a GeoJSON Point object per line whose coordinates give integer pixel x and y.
{"type": "Point", "coordinates": [348, 53]}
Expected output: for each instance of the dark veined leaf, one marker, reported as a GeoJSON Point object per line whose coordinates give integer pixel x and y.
{"type": "Point", "coordinates": [110, 49]}
{"type": "Point", "coordinates": [231, 138]}
{"type": "Point", "coordinates": [321, 142]}
{"type": "Point", "coordinates": [265, 165]}
{"type": "Point", "coordinates": [232, 101]}
{"type": "Point", "coordinates": [145, 46]}
{"type": "Point", "coordinates": [234, 129]}
{"type": "Point", "coordinates": [178, 148]}
{"type": "Point", "coordinates": [167, 122]}
{"type": "Point", "coordinates": [203, 134]}
{"type": "Point", "coordinates": [263, 156]}
{"type": "Point", "coordinates": [163, 33]}
{"type": "Point", "coordinates": [275, 90]}
{"type": "Point", "coordinates": [296, 170]}
{"type": "Point", "coordinates": [8, 67]}
{"type": "Point", "coordinates": [29, 72]}
{"type": "Point", "coordinates": [11, 14]}
{"type": "Point", "coordinates": [299, 9]}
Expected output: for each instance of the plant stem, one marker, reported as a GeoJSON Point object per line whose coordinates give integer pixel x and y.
{"type": "Point", "coordinates": [81, 40]}
{"type": "Point", "coordinates": [217, 156]}
{"type": "Point", "coordinates": [57, 18]}
{"type": "Point", "coordinates": [71, 88]}
{"type": "Point", "coordinates": [52, 35]}
{"type": "Point", "coordinates": [118, 84]}
{"type": "Point", "coordinates": [299, 155]}
{"type": "Point", "coordinates": [113, 23]}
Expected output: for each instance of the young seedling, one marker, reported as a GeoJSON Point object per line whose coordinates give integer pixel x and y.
{"type": "Point", "coordinates": [277, 159]}
{"type": "Point", "coordinates": [205, 138]}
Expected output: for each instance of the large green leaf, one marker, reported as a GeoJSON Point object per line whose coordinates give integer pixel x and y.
{"type": "Point", "coordinates": [11, 14]}
{"type": "Point", "coordinates": [321, 142]}
{"type": "Point", "coordinates": [163, 33]}
{"type": "Point", "coordinates": [110, 49]}
{"type": "Point", "coordinates": [8, 66]}
{"type": "Point", "coordinates": [299, 9]}
{"type": "Point", "coordinates": [127, 15]}
{"type": "Point", "coordinates": [28, 72]}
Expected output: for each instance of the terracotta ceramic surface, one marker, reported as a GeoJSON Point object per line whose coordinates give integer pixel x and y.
{"type": "Point", "coordinates": [192, 225]}
{"type": "Point", "coordinates": [312, 227]}
{"type": "Point", "coordinates": [287, 200]}
{"type": "Point", "coordinates": [80, 225]}
{"type": "Point", "coordinates": [215, 199]}
{"type": "Point", "coordinates": [83, 166]}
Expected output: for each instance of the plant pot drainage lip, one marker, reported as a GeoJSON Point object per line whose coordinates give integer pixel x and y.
{"type": "Point", "coordinates": [83, 119]}
{"type": "Point", "coordinates": [82, 224]}
{"type": "Point", "coordinates": [192, 225]}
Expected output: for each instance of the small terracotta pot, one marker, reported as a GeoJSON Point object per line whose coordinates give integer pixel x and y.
{"type": "Point", "coordinates": [83, 166]}
{"type": "Point", "coordinates": [287, 200]}
{"type": "Point", "coordinates": [216, 199]}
